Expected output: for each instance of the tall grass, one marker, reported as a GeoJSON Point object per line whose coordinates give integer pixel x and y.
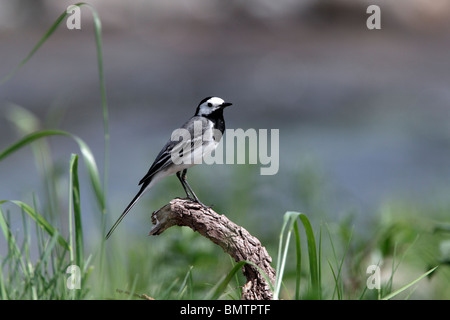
{"type": "Point", "coordinates": [36, 277]}
{"type": "Point", "coordinates": [290, 224]}
{"type": "Point", "coordinates": [25, 276]}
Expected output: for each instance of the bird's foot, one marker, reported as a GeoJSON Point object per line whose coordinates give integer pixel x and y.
{"type": "Point", "coordinates": [200, 203]}
{"type": "Point", "coordinates": [205, 206]}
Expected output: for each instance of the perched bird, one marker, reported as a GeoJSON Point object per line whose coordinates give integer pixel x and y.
{"type": "Point", "coordinates": [198, 137]}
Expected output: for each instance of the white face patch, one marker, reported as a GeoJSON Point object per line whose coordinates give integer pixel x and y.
{"type": "Point", "coordinates": [210, 106]}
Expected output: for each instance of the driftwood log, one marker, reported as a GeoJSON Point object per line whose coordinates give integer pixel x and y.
{"type": "Point", "coordinates": [233, 239]}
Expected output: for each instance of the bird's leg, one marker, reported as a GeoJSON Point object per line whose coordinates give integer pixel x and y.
{"type": "Point", "coordinates": [183, 178]}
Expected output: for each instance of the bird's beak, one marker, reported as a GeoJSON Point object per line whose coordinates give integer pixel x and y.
{"type": "Point", "coordinates": [225, 104]}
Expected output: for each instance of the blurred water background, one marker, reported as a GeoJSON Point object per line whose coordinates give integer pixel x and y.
{"type": "Point", "coordinates": [364, 115]}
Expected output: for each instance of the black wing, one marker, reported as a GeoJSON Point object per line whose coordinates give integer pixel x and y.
{"type": "Point", "coordinates": [163, 159]}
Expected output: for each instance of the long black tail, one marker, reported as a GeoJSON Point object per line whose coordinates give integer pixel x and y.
{"type": "Point", "coordinates": [127, 209]}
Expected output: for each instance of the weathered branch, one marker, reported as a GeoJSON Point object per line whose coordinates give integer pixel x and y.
{"type": "Point", "coordinates": [233, 239]}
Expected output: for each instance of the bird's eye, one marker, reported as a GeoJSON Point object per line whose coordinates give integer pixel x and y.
{"type": "Point", "coordinates": [209, 104]}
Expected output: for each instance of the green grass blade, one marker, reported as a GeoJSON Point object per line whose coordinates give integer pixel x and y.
{"type": "Point", "coordinates": [35, 48]}
{"type": "Point", "coordinates": [279, 271]}
{"type": "Point", "coordinates": [3, 292]}
{"type": "Point", "coordinates": [298, 251]}
{"type": "Point", "coordinates": [220, 288]}
{"type": "Point", "coordinates": [101, 76]}
{"type": "Point", "coordinates": [166, 294]}
{"type": "Point", "coordinates": [281, 258]}
{"type": "Point", "coordinates": [47, 35]}
{"type": "Point", "coordinates": [40, 220]}
{"type": "Point", "coordinates": [75, 199]}
{"type": "Point", "coordinates": [27, 140]}
{"type": "Point", "coordinates": [132, 292]}
{"type": "Point", "coordinates": [184, 284]}
{"type": "Point", "coordinates": [393, 294]}
{"type": "Point", "coordinates": [45, 256]}
{"type": "Point", "coordinates": [312, 254]}
{"type": "Point", "coordinates": [319, 263]}
{"type": "Point", "coordinates": [85, 151]}
{"type": "Point", "coordinates": [12, 243]}
{"type": "Point", "coordinates": [338, 289]}
{"type": "Point", "coordinates": [94, 175]}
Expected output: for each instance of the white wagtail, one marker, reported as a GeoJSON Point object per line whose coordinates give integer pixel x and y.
{"type": "Point", "coordinates": [203, 132]}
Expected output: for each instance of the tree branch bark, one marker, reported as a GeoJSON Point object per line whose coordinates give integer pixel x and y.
{"type": "Point", "coordinates": [233, 239]}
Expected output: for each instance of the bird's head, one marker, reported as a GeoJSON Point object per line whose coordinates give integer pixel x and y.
{"type": "Point", "coordinates": [209, 105]}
